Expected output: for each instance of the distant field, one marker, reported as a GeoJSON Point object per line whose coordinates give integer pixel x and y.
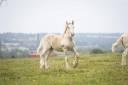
{"type": "Point", "coordinates": [93, 69]}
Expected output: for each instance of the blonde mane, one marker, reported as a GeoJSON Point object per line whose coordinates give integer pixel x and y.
{"type": "Point", "coordinates": [65, 29]}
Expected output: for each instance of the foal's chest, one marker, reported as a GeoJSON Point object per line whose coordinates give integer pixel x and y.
{"type": "Point", "coordinates": [66, 43]}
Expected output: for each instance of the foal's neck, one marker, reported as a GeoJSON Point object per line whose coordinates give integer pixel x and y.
{"type": "Point", "coordinates": [66, 36]}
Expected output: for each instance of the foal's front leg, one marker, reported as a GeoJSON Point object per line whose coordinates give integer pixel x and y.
{"type": "Point", "coordinates": [66, 59]}
{"type": "Point", "coordinates": [76, 55]}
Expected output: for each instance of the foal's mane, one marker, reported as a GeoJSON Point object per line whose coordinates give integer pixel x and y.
{"type": "Point", "coordinates": [66, 27]}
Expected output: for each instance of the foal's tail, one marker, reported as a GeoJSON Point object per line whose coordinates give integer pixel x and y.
{"type": "Point", "coordinates": [39, 48]}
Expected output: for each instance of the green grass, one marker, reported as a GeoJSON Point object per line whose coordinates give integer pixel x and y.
{"type": "Point", "coordinates": [93, 69]}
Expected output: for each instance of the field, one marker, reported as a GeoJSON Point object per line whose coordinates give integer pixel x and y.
{"type": "Point", "coordinates": [93, 69]}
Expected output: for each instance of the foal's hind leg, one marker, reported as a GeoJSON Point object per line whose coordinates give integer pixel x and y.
{"type": "Point", "coordinates": [46, 59]}
{"type": "Point", "coordinates": [42, 62]}
{"type": "Point", "coordinates": [42, 59]}
{"type": "Point", "coordinates": [124, 55]}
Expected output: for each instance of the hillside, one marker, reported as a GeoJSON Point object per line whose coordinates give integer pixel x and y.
{"type": "Point", "coordinates": [22, 44]}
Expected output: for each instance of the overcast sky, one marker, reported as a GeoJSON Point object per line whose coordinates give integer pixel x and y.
{"type": "Point", "coordinates": [93, 16]}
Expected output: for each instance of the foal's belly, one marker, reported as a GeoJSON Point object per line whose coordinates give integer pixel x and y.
{"type": "Point", "coordinates": [58, 49]}
{"type": "Point", "coordinates": [62, 47]}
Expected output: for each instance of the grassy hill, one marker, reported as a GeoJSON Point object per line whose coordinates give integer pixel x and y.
{"type": "Point", "coordinates": [93, 69]}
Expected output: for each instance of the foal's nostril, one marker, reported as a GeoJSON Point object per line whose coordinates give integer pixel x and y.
{"type": "Point", "coordinates": [73, 34]}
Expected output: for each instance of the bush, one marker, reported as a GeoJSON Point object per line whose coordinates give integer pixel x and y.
{"type": "Point", "coordinates": [97, 51]}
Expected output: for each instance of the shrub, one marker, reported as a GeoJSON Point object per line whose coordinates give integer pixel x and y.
{"type": "Point", "coordinates": [96, 51]}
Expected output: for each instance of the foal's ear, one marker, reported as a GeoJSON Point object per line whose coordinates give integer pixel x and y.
{"type": "Point", "coordinates": [66, 22]}
{"type": "Point", "coordinates": [73, 22]}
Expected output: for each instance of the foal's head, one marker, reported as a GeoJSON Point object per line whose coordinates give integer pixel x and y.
{"type": "Point", "coordinates": [69, 29]}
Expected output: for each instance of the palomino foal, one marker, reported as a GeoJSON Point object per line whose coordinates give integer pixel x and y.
{"type": "Point", "coordinates": [62, 43]}
{"type": "Point", "coordinates": [123, 40]}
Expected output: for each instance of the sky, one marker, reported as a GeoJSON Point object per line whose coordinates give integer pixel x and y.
{"type": "Point", "coordinates": [90, 16]}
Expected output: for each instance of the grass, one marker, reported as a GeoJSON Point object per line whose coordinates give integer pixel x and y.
{"type": "Point", "coordinates": [93, 69]}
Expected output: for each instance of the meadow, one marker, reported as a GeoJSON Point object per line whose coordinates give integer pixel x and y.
{"type": "Point", "coordinates": [93, 69]}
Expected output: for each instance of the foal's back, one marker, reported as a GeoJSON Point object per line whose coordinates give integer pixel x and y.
{"type": "Point", "coordinates": [52, 41]}
{"type": "Point", "coordinates": [57, 42]}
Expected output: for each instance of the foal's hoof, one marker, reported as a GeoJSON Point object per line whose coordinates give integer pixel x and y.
{"type": "Point", "coordinates": [68, 67]}
{"type": "Point", "coordinates": [42, 66]}
{"type": "Point", "coordinates": [46, 67]}
{"type": "Point", "coordinates": [75, 65]}
{"type": "Point", "coordinates": [123, 64]}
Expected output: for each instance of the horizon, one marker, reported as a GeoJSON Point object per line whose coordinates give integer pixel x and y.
{"type": "Point", "coordinates": [60, 33]}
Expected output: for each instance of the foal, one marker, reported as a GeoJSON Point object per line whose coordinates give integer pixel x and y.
{"type": "Point", "coordinates": [123, 40]}
{"type": "Point", "coordinates": [63, 43]}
